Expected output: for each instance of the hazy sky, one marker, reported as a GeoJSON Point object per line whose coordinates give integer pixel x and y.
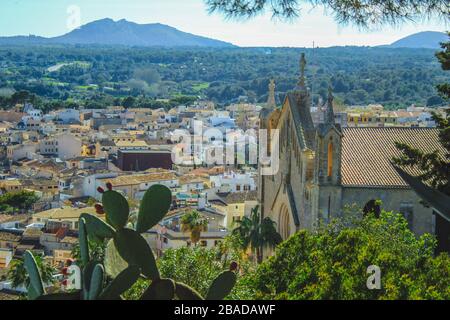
{"type": "Point", "coordinates": [51, 18]}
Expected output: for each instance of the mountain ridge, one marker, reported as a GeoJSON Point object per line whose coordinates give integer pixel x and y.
{"type": "Point", "coordinates": [106, 31]}
{"type": "Point", "coordinates": [122, 32]}
{"type": "Point", "coordinates": [424, 39]}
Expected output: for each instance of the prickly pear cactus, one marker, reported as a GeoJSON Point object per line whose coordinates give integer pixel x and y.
{"type": "Point", "coordinates": [36, 287]}
{"type": "Point", "coordinates": [128, 256]}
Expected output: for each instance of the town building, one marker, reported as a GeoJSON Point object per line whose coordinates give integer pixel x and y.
{"type": "Point", "coordinates": [141, 160]}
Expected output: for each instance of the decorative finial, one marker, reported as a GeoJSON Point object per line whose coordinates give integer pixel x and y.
{"type": "Point", "coordinates": [272, 85]}
{"type": "Point", "coordinates": [330, 94]}
{"type": "Point", "coordinates": [271, 99]}
{"type": "Point", "coordinates": [329, 113]}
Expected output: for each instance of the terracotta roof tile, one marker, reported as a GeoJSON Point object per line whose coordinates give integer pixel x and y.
{"type": "Point", "coordinates": [4, 218]}
{"type": "Point", "coordinates": [134, 179]}
{"type": "Point", "coordinates": [8, 236]}
{"type": "Point", "coordinates": [367, 152]}
{"type": "Point", "coordinates": [240, 197]}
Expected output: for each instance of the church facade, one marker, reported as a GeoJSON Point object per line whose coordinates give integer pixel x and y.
{"type": "Point", "coordinates": [325, 169]}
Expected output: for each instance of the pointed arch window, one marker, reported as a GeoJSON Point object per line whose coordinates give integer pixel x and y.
{"type": "Point", "coordinates": [330, 158]}
{"type": "Point", "coordinates": [283, 223]}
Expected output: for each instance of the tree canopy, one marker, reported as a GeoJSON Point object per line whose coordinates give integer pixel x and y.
{"type": "Point", "coordinates": [360, 12]}
{"type": "Point", "coordinates": [332, 263]}
{"type": "Point", "coordinates": [394, 77]}
{"type": "Point", "coordinates": [444, 58]}
{"type": "Point", "coordinates": [15, 201]}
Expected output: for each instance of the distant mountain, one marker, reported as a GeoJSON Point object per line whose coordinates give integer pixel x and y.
{"type": "Point", "coordinates": [123, 32]}
{"type": "Point", "coordinates": [426, 39]}
{"type": "Point", "coordinates": [22, 40]}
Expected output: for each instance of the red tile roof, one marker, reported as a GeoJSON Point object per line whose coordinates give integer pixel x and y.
{"type": "Point", "coordinates": [367, 152]}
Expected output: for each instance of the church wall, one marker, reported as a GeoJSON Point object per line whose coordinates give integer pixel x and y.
{"type": "Point", "coordinates": [329, 189]}
{"type": "Point", "coordinates": [268, 194]}
{"type": "Point", "coordinates": [280, 206]}
{"type": "Point", "coordinates": [397, 200]}
{"type": "Point", "coordinates": [330, 204]}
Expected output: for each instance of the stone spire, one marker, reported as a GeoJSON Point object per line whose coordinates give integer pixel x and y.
{"type": "Point", "coordinates": [329, 113]}
{"type": "Point", "coordinates": [271, 100]}
{"type": "Point", "coordinates": [302, 80]}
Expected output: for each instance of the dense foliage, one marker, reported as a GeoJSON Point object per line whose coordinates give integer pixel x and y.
{"type": "Point", "coordinates": [11, 202]}
{"type": "Point", "coordinates": [332, 263]}
{"type": "Point", "coordinates": [198, 267]}
{"type": "Point", "coordinates": [444, 58]}
{"type": "Point", "coordinates": [102, 76]}
{"type": "Point", "coordinates": [18, 275]}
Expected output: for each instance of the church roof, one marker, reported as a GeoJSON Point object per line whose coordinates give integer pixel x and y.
{"type": "Point", "coordinates": [302, 119]}
{"type": "Point", "coordinates": [367, 154]}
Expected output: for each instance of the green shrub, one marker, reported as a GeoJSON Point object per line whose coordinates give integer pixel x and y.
{"type": "Point", "coordinates": [332, 263]}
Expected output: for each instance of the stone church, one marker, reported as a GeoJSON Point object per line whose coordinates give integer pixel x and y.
{"type": "Point", "coordinates": [324, 168]}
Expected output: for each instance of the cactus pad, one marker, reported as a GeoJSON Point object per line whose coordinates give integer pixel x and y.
{"type": "Point", "coordinates": [154, 206]}
{"type": "Point", "coordinates": [221, 286]}
{"type": "Point", "coordinates": [116, 208]}
{"type": "Point", "coordinates": [133, 248]}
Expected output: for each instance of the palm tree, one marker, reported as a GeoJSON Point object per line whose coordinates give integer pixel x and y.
{"type": "Point", "coordinates": [18, 275]}
{"type": "Point", "coordinates": [194, 223]}
{"type": "Point", "coordinates": [257, 233]}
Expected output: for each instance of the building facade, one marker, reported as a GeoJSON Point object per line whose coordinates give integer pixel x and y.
{"type": "Point", "coordinates": [324, 169]}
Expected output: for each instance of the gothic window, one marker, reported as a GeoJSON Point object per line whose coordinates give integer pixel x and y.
{"type": "Point", "coordinates": [309, 168]}
{"type": "Point", "coordinates": [283, 223]}
{"type": "Point", "coordinates": [330, 158]}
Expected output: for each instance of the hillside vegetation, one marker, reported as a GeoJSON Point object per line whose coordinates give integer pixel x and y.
{"type": "Point", "coordinates": [99, 76]}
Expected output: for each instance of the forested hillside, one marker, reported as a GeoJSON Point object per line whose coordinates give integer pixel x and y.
{"type": "Point", "coordinates": [98, 76]}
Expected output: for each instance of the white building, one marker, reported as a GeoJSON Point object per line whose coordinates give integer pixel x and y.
{"type": "Point", "coordinates": [69, 146]}
{"type": "Point", "coordinates": [68, 115]}
{"type": "Point", "coordinates": [170, 236]}
{"type": "Point", "coordinates": [64, 146]}
{"type": "Point", "coordinates": [426, 119]}
{"type": "Point", "coordinates": [233, 182]}
{"type": "Point", "coordinates": [35, 114]}
{"type": "Point", "coordinates": [222, 121]}
{"type": "Point", "coordinates": [92, 182]}
{"type": "Point", "coordinates": [21, 151]}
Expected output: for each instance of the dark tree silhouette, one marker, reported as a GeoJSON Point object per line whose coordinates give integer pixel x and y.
{"type": "Point", "coordinates": [434, 166]}
{"type": "Point", "coordinates": [360, 12]}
